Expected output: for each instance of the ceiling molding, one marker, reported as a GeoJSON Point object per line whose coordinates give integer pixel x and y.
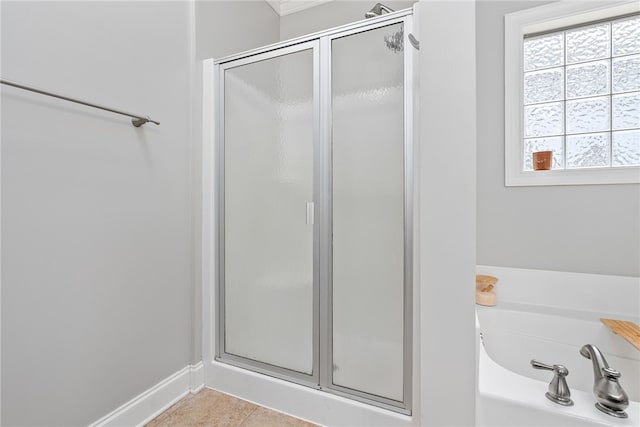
{"type": "Point", "coordinates": [275, 5]}
{"type": "Point", "coordinates": [286, 7]}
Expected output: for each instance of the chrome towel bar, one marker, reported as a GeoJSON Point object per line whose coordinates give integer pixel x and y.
{"type": "Point", "coordinates": [136, 119]}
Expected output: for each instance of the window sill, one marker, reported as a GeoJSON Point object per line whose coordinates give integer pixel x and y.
{"type": "Point", "coordinates": [595, 176]}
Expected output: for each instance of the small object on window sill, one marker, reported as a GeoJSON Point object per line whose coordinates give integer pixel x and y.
{"type": "Point", "coordinates": [484, 290]}
{"type": "Point", "coordinates": [542, 160]}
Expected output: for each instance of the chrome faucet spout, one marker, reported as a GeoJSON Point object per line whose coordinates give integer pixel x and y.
{"type": "Point", "coordinates": [611, 397]}
{"type": "Point", "coordinates": [592, 352]}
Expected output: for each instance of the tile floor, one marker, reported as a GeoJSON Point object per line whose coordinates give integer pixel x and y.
{"type": "Point", "coordinates": [212, 408]}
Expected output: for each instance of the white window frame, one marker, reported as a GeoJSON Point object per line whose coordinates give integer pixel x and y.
{"type": "Point", "coordinates": [539, 19]}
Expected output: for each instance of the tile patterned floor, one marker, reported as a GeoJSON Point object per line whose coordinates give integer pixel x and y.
{"type": "Point", "coordinates": [212, 408]}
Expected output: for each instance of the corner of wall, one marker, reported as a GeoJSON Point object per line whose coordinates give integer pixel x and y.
{"type": "Point", "coordinates": [447, 210]}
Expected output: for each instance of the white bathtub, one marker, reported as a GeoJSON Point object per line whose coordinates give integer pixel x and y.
{"type": "Point", "coordinates": [512, 393]}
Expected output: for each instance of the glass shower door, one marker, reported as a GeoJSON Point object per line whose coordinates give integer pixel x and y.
{"type": "Point", "coordinates": [314, 190]}
{"type": "Point", "coordinates": [368, 212]}
{"type": "Point", "coordinates": [268, 273]}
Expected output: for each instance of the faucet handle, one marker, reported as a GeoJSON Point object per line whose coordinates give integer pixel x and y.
{"type": "Point", "coordinates": [539, 365]}
{"type": "Point", "coordinates": [558, 389]}
{"type": "Point", "coordinates": [560, 370]}
{"type": "Point", "coordinates": [611, 373]}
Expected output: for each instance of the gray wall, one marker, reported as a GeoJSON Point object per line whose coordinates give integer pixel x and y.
{"type": "Point", "coordinates": [98, 217]}
{"type": "Point", "coordinates": [96, 233]}
{"type": "Point", "coordinates": [331, 14]}
{"type": "Point", "coordinates": [588, 228]}
{"type": "Point", "coordinates": [227, 27]}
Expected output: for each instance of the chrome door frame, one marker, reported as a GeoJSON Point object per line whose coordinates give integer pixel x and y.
{"type": "Point", "coordinates": [326, 272]}
{"type": "Point", "coordinates": [320, 42]}
{"type": "Point", "coordinates": [220, 353]}
{"type": "Point", "coordinates": [357, 26]}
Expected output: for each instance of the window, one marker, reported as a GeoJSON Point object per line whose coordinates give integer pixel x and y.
{"type": "Point", "coordinates": [577, 94]}
{"type": "Point", "coordinates": [582, 95]}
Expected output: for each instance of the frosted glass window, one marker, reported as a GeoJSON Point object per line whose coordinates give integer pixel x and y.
{"type": "Point", "coordinates": [544, 52]}
{"type": "Point", "coordinates": [588, 79]}
{"type": "Point", "coordinates": [626, 73]}
{"type": "Point", "coordinates": [587, 115]}
{"type": "Point", "coordinates": [626, 148]}
{"type": "Point", "coordinates": [626, 36]}
{"type": "Point", "coordinates": [544, 119]}
{"type": "Point", "coordinates": [587, 44]}
{"type": "Point", "coordinates": [588, 151]}
{"type": "Point", "coordinates": [544, 86]}
{"type": "Point", "coordinates": [581, 95]}
{"type": "Point", "coordinates": [626, 111]}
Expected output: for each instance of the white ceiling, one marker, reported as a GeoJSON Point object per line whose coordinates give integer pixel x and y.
{"type": "Point", "coordinates": [285, 7]}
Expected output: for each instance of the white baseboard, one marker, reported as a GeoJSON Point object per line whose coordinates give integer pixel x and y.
{"type": "Point", "coordinates": [151, 403]}
{"type": "Point", "coordinates": [196, 377]}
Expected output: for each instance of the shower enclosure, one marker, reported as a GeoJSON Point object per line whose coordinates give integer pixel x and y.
{"type": "Point", "coordinates": [314, 211]}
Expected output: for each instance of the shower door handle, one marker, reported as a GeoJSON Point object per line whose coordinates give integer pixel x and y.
{"type": "Point", "coordinates": [310, 215]}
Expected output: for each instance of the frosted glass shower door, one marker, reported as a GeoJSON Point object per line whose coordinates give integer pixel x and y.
{"type": "Point", "coordinates": [368, 277]}
{"type": "Point", "coordinates": [314, 228]}
{"type": "Point", "coordinates": [268, 272]}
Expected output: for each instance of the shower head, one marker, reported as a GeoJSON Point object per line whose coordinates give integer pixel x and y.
{"type": "Point", "coordinates": [395, 41]}
{"type": "Point", "coordinates": [377, 11]}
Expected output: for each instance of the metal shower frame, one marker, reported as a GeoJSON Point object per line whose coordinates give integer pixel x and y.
{"type": "Point", "coordinates": [320, 44]}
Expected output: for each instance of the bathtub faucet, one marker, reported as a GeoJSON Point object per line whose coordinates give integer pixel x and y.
{"type": "Point", "coordinates": [611, 397]}
{"type": "Point", "coordinates": [558, 389]}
